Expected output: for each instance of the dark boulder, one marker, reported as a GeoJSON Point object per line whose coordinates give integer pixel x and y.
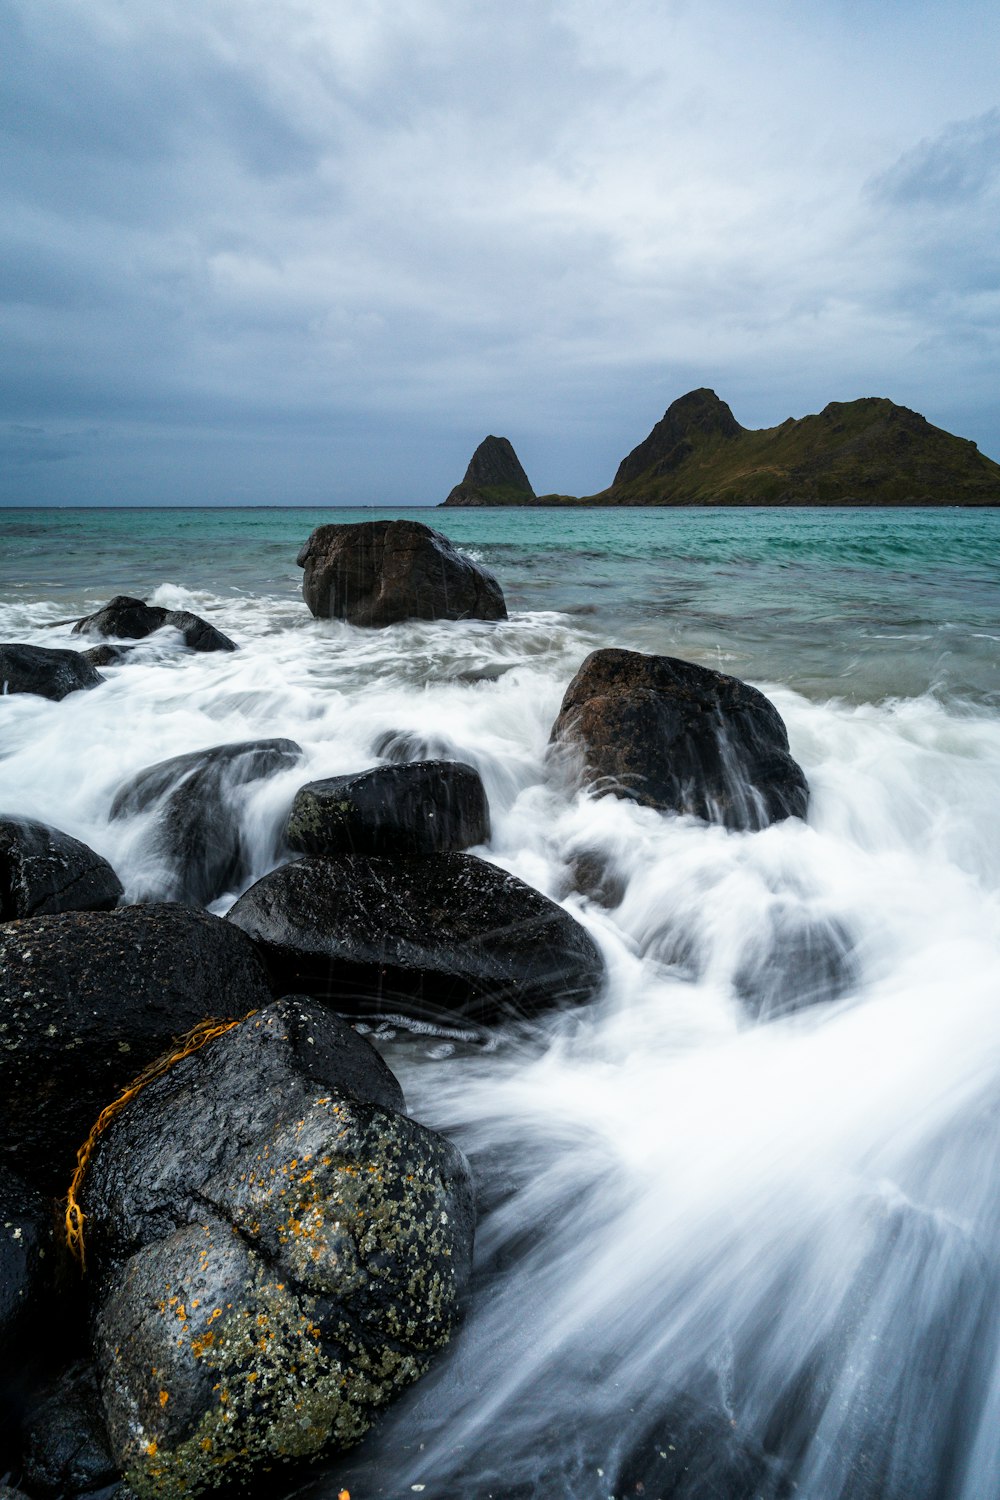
{"type": "Point", "coordinates": [44, 672]}
{"type": "Point", "coordinates": [381, 572]}
{"type": "Point", "coordinates": [428, 807]}
{"type": "Point", "coordinates": [133, 620]}
{"type": "Point", "coordinates": [66, 1449]}
{"type": "Point", "coordinates": [450, 937]}
{"type": "Point", "coordinates": [794, 958]}
{"type": "Point", "coordinates": [195, 845]}
{"type": "Point", "coordinates": [87, 1000]}
{"type": "Point", "coordinates": [276, 1252]}
{"type": "Point", "coordinates": [43, 870]}
{"type": "Point", "coordinates": [681, 738]}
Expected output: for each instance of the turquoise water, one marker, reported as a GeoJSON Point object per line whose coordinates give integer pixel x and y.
{"type": "Point", "coordinates": [861, 604]}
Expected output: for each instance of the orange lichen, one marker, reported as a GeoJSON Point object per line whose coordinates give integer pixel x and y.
{"type": "Point", "coordinates": [164, 1397]}
{"type": "Point", "coordinates": [190, 1042]}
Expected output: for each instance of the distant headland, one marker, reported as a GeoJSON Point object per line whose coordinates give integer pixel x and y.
{"type": "Point", "coordinates": [865, 452]}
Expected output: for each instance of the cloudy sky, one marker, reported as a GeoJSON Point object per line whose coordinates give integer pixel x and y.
{"type": "Point", "coordinates": [312, 251]}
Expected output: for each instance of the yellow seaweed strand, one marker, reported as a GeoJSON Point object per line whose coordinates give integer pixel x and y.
{"type": "Point", "coordinates": [191, 1041]}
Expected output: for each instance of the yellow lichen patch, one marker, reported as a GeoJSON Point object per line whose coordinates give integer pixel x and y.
{"type": "Point", "coordinates": [164, 1397]}
{"type": "Point", "coordinates": [191, 1041]}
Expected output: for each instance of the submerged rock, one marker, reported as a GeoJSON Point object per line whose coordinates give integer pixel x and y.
{"type": "Point", "coordinates": [196, 843]}
{"type": "Point", "coordinates": [381, 572]}
{"type": "Point", "coordinates": [87, 1000]}
{"type": "Point", "coordinates": [427, 807]}
{"type": "Point", "coordinates": [107, 655]}
{"type": "Point", "coordinates": [682, 738]}
{"type": "Point", "coordinates": [43, 870]}
{"type": "Point", "coordinates": [450, 937]}
{"type": "Point", "coordinates": [44, 672]}
{"type": "Point", "coordinates": [133, 620]}
{"type": "Point", "coordinates": [277, 1251]}
{"type": "Point", "coordinates": [794, 959]}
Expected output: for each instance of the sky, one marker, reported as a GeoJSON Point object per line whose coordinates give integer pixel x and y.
{"type": "Point", "coordinates": [313, 251]}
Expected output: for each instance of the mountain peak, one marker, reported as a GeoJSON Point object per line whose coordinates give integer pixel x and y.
{"type": "Point", "coordinates": [687, 423]}
{"type": "Point", "coordinates": [494, 477]}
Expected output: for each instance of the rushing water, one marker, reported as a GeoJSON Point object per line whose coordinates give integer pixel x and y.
{"type": "Point", "coordinates": [740, 1220]}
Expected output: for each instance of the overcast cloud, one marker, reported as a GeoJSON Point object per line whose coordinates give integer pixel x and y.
{"type": "Point", "coordinates": [305, 251]}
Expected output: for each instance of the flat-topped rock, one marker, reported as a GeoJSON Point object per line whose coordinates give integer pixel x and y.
{"type": "Point", "coordinates": [379, 573]}
{"type": "Point", "coordinates": [46, 672]}
{"type": "Point", "coordinates": [426, 807]}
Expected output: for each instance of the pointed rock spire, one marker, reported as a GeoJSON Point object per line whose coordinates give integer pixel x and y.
{"type": "Point", "coordinates": [494, 477]}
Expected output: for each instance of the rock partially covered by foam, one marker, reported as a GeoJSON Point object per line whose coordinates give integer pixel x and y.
{"type": "Point", "coordinates": [449, 937]}
{"type": "Point", "coordinates": [426, 807]}
{"type": "Point", "coordinates": [382, 572]}
{"type": "Point", "coordinates": [195, 843]}
{"type": "Point", "coordinates": [132, 619]}
{"type": "Point", "coordinates": [46, 673]}
{"type": "Point", "coordinates": [276, 1252]}
{"type": "Point", "coordinates": [682, 738]}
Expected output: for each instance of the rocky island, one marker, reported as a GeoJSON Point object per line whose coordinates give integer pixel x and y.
{"type": "Point", "coordinates": [494, 477]}
{"type": "Point", "coordinates": [867, 452]}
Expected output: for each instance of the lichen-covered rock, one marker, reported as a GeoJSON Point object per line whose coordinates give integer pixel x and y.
{"type": "Point", "coordinates": [66, 1449]}
{"type": "Point", "coordinates": [87, 1000]}
{"type": "Point", "coordinates": [682, 738]}
{"type": "Point", "coordinates": [195, 846]}
{"type": "Point", "coordinates": [46, 673]}
{"type": "Point", "coordinates": [426, 807]}
{"type": "Point", "coordinates": [43, 870]}
{"type": "Point", "coordinates": [133, 619]}
{"type": "Point", "coordinates": [381, 572]}
{"type": "Point", "coordinates": [449, 937]}
{"type": "Point", "coordinates": [277, 1252]}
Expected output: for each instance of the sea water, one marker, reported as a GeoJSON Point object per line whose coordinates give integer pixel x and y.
{"type": "Point", "coordinates": [740, 1219]}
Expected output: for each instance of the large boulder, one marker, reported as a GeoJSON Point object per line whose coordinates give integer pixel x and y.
{"type": "Point", "coordinates": [44, 672]}
{"type": "Point", "coordinates": [275, 1251]}
{"type": "Point", "coordinates": [43, 870]}
{"type": "Point", "coordinates": [428, 807]}
{"type": "Point", "coordinates": [66, 1448]}
{"type": "Point", "coordinates": [195, 845]}
{"type": "Point", "coordinates": [132, 619]}
{"type": "Point", "coordinates": [449, 937]}
{"type": "Point", "coordinates": [87, 1000]}
{"type": "Point", "coordinates": [682, 738]}
{"type": "Point", "coordinates": [381, 572]}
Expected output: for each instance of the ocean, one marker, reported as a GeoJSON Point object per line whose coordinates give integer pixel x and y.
{"type": "Point", "coordinates": [731, 1243]}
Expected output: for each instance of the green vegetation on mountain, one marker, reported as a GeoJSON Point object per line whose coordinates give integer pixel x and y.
{"type": "Point", "coordinates": [494, 477]}
{"type": "Point", "coordinates": [865, 452]}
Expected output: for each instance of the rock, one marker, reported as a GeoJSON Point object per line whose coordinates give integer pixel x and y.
{"type": "Point", "coordinates": [682, 738]}
{"type": "Point", "coordinates": [27, 1259]}
{"type": "Point", "coordinates": [47, 673]}
{"type": "Point", "coordinates": [794, 959]}
{"type": "Point", "coordinates": [133, 619]}
{"type": "Point", "coordinates": [43, 870]}
{"type": "Point", "coordinates": [381, 572]}
{"type": "Point", "coordinates": [428, 807]}
{"type": "Point", "coordinates": [447, 937]}
{"type": "Point", "coordinates": [401, 746]}
{"type": "Point", "coordinates": [494, 477]}
{"type": "Point", "coordinates": [87, 1000]}
{"type": "Point", "coordinates": [196, 846]}
{"type": "Point", "coordinates": [66, 1449]}
{"type": "Point", "coordinates": [107, 655]}
{"type": "Point", "coordinates": [277, 1252]}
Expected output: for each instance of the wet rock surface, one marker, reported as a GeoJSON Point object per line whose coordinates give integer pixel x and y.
{"type": "Point", "coordinates": [43, 870]}
{"type": "Point", "coordinates": [133, 620]}
{"type": "Point", "coordinates": [87, 1000]}
{"type": "Point", "coordinates": [447, 937]}
{"type": "Point", "coordinates": [107, 655]}
{"type": "Point", "coordinates": [796, 959]}
{"type": "Point", "coordinates": [196, 844]}
{"type": "Point", "coordinates": [427, 807]}
{"type": "Point", "coordinates": [44, 672]}
{"type": "Point", "coordinates": [27, 1258]}
{"type": "Point", "coordinates": [66, 1450]}
{"type": "Point", "coordinates": [379, 573]}
{"type": "Point", "coordinates": [277, 1251]}
{"type": "Point", "coordinates": [682, 738]}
